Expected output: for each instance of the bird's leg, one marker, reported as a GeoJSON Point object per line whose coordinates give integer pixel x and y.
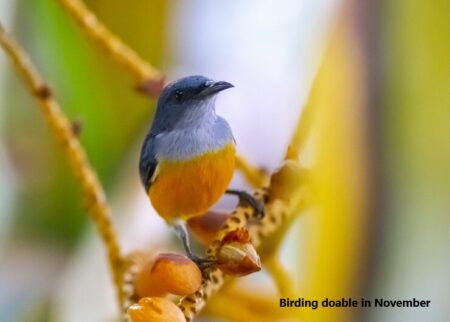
{"type": "Point", "coordinates": [247, 199]}
{"type": "Point", "coordinates": [182, 232]}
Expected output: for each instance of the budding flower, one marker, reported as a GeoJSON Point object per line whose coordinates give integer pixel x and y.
{"type": "Point", "coordinates": [156, 309]}
{"type": "Point", "coordinates": [237, 256]}
{"type": "Point", "coordinates": [168, 273]}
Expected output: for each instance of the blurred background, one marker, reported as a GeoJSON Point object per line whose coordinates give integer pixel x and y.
{"type": "Point", "coordinates": [378, 75]}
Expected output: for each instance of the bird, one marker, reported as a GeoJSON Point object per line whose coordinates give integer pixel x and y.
{"type": "Point", "coordinates": [188, 156]}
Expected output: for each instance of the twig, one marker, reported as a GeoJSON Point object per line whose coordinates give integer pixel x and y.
{"type": "Point", "coordinates": [62, 129]}
{"type": "Point", "coordinates": [304, 125]}
{"type": "Point", "coordinates": [236, 307]}
{"type": "Point", "coordinates": [279, 275]}
{"type": "Point", "coordinates": [118, 50]}
{"type": "Point", "coordinates": [258, 177]}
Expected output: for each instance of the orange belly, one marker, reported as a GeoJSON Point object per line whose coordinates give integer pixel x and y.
{"type": "Point", "coordinates": [185, 189]}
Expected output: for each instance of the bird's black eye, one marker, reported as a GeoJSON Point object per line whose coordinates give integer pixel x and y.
{"type": "Point", "coordinates": [178, 96]}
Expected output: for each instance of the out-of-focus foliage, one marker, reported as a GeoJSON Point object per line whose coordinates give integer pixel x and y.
{"type": "Point", "coordinates": [414, 235]}
{"type": "Point", "coordinates": [334, 236]}
{"type": "Point", "coordinates": [93, 90]}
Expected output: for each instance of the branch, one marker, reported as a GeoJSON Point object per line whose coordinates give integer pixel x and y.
{"type": "Point", "coordinates": [242, 305]}
{"type": "Point", "coordinates": [304, 125]}
{"type": "Point", "coordinates": [256, 176]}
{"type": "Point", "coordinates": [113, 45]}
{"type": "Point", "coordinates": [60, 125]}
{"type": "Point", "coordinates": [279, 275]}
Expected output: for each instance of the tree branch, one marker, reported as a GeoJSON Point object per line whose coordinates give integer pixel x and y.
{"type": "Point", "coordinates": [258, 177]}
{"type": "Point", "coordinates": [304, 126]}
{"type": "Point", "coordinates": [60, 125]}
{"type": "Point", "coordinates": [113, 45]}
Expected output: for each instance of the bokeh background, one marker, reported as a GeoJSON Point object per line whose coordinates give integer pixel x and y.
{"type": "Point", "coordinates": [378, 74]}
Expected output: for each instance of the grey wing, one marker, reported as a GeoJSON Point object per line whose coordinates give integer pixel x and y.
{"type": "Point", "coordinates": [147, 162]}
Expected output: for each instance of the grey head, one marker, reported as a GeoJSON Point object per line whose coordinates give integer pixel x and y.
{"type": "Point", "coordinates": [186, 101]}
{"type": "Point", "coordinates": [185, 124]}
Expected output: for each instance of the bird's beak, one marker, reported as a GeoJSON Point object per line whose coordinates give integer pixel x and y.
{"type": "Point", "coordinates": [215, 87]}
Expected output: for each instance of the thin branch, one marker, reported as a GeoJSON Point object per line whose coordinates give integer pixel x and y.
{"type": "Point", "coordinates": [237, 306]}
{"type": "Point", "coordinates": [228, 308]}
{"type": "Point", "coordinates": [304, 126]}
{"type": "Point", "coordinates": [62, 129]}
{"type": "Point", "coordinates": [119, 51]}
{"type": "Point", "coordinates": [258, 177]}
{"type": "Point", "coordinates": [279, 275]}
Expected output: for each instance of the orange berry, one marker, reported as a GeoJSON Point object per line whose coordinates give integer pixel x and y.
{"type": "Point", "coordinates": [168, 273]}
{"type": "Point", "coordinates": [156, 309]}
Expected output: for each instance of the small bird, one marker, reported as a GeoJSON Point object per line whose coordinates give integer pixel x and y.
{"type": "Point", "coordinates": [188, 156]}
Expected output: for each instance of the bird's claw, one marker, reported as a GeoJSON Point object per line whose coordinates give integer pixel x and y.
{"type": "Point", "coordinates": [203, 263]}
{"type": "Point", "coordinates": [247, 199]}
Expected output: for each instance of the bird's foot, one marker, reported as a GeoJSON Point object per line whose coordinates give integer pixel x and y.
{"type": "Point", "coordinates": [182, 232]}
{"type": "Point", "coordinates": [203, 264]}
{"type": "Point", "coordinates": [247, 199]}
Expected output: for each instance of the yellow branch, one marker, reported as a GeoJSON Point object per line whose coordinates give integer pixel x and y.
{"type": "Point", "coordinates": [228, 306]}
{"type": "Point", "coordinates": [304, 125]}
{"type": "Point", "coordinates": [280, 276]}
{"type": "Point", "coordinates": [62, 129]}
{"type": "Point", "coordinates": [256, 176]}
{"type": "Point", "coordinates": [118, 50]}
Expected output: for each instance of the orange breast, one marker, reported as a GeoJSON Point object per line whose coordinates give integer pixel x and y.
{"type": "Point", "coordinates": [184, 189]}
